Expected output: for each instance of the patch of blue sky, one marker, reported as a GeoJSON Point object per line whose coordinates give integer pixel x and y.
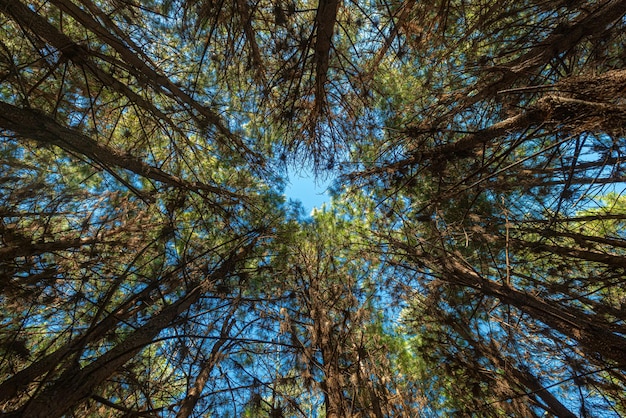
{"type": "Point", "coordinates": [311, 192]}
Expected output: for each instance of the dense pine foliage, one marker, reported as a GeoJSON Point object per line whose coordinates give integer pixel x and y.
{"type": "Point", "coordinates": [472, 261]}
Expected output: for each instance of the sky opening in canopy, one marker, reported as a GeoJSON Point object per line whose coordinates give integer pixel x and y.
{"type": "Point", "coordinates": [304, 187]}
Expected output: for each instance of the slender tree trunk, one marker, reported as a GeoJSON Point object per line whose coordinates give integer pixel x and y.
{"type": "Point", "coordinates": [194, 393]}
{"type": "Point", "coordinates": [11, 386]}
{"type": "Point", "coordinates": [531, 382]}
{"type": "Point", "coordinates": [325, 21]}
{"type": "Point", "coordinates": [44, 129]}
{"type": "Point", "coordinates": [78, 384]}
{"type": "Point", "coordinates": [332, 385]}
{"type": "Point", "coordinates": [573, 253]}
{"type": "Point", "coordinates": [593, 338]}
{"type": "Point", "coordinates": [523, 378]}
{"type": "Point", "coordinates": [33, 248]}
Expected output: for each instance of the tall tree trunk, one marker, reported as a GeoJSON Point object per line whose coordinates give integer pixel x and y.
{"type": "Point", "coordinates": [194, 393]}
{"type": "Point", "coordinates": [594, 338]}
{"type": "Point", "coordinates": [512, 374]}
{"type": "Point", "coordinates": [332, 384]}
{"type": "Point", "coordinates": [522, 377]}
{"type": "Point", "coordinates": [11, 386]}
{"type": "Point", "coordinates": [78, 384]}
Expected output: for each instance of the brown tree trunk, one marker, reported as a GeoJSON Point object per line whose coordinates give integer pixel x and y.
{"type": "Point", "coordinates": [573, 253]}
{"type": "Point", "coordinates": [44, 129]}
{"type": "Point", "coordinates": [333, 384]}
{"type": "Point", "coordinates": [325, 21]}
{"type": "Point", "coordinates": [13, 385]}
{"type": "Point", "coordinates": [78, 384]}
{"type": "Point", "coordinates": [593, 338]}
{"type": "Point", "coordinates": [522, 378]}
{"type": "Point", "coordinates": [193, 394]}
{"type": "Point", "coordinates": [528, 380]}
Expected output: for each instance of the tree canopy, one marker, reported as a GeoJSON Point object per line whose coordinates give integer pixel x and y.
{"type": "Point", "coordinates": [471, 262]}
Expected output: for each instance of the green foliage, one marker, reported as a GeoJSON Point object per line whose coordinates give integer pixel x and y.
{"type": "Point", "coordinates": [469, 263]}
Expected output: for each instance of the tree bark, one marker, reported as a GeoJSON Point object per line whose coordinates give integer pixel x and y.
{"type": "Point", "coordinates": [13, 385]}
{"type": "Point", "coordinates": [325, 22]}
{"type": "Point", "coordinates": [593, 339]}
{"type": "Point", "coordinates": [194, 393]}
{"type": "Point", "coordinates": [42, 128]}
{"type": "Point", "coordinates": [138, 67]}
{"type": "Point", "coordinates": [78, 384]}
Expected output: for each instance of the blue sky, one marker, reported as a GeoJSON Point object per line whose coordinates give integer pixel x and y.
{"type": "Point", "coordinates": [302, 186]}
